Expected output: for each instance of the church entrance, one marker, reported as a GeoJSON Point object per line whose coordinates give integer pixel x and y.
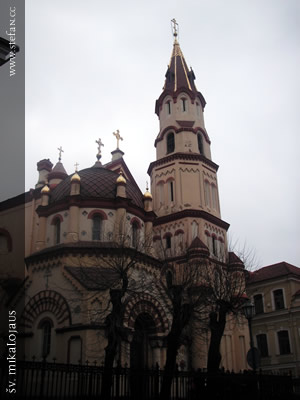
{"type": "Point", "coordinates": [141, 351]}
{"type": "Point", "coordinates": [141, 355]}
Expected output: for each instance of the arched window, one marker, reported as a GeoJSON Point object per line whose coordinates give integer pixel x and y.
{"type": "Point", "coordinates": [200, 143]}
{"type": "Point", "coordinates": [184, 104]}
{"type": "Point", "coordinates": [57, 227]}
{"type": "Point", "coordinates": [46, 327]}
{"type": "Point", "coordinates": [170, 143]}
{"type": "Point", "coordinates": [135, 234]}
{"type": "Point", "coordinates": [96, 228]}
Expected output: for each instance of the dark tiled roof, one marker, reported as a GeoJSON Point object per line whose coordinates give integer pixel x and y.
{"type": "Point", "coordinates": [95, 278]}
{"type": "Point", "coordinates": [234, 259]}
{"type": "Point", "coordinates": [96, 182]}
{"type": "Point", "coordinates": [273, 271]}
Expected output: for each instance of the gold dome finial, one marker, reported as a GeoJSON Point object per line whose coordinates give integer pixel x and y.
{"type": "Point", "coordinates": [75, 177]}
{"type": "Point", "coordinates": [45, 189]}
{"type": "Point", "coordinates": [147, 194]}
{"type": "Point", "coordinates": [121, 178]}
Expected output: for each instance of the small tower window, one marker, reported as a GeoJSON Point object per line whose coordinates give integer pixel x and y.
{"type": "Point", "coordinates": [214, 197]}
{"type": "Point", "coordinates": [198, 109]}
{"type": "Point", "coordinates": [97, 225]}
{"type": "Point", "coordinates": [57, 224]}
{"type": "Point", "coordinates": [168, 107]}
{"type": "Point", "coordinates": [207, 193]}
{"type": "Point", "coordinates": [184, 104]}
{"type": "Point", "coordinates": [214, 246]}
{"type": "Point", "coordinates": [170, 143]}
{"type": "Point", "coordinates": [171, 191]}
{"type": "Point", "coordinates": [200, 143]}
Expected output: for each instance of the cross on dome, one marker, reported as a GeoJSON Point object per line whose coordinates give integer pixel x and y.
{"type": "Point", "coordinates": [60, 151]}
{"type": "Point", "coordinates": [100, 144]}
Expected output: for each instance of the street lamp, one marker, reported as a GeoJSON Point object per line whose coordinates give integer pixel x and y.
{"type": "Point", "coordinates": [249, 312]}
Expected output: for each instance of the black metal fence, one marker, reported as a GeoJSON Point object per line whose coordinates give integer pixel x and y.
{"type": "Point", "coordinates": [43, 380]}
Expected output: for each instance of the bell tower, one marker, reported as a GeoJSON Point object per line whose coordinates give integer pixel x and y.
{"type": "Point", "coordinates": [184, 178]}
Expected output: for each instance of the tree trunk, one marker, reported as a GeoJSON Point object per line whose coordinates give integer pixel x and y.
{"type": "Point", "coordinates": [217, 322]}
{"type": "Point", "coordinates": [170, 367]}
{"type": "Point", "coordinates": [110, 354]}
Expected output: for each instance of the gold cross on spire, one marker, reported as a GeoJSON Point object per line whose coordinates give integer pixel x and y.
{"type": "Point", "coordinates": [174, 28]}
{"type": "Point", "coordinates": [76, 166]}
{"type": "Point", "coordinates": [60, 151]}
{"type": "Point", "coordinates": [118, 137]}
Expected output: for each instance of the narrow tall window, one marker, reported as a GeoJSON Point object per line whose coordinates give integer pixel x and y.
{"type": "Point", "coordinates": [278, 299]}
{"type": "Point", "coordinates": [168, 242]}
{"type": "Point", "coordinates": [258, 304]}
{"type": "Point", "coordinates": [200, 143]}
{"type": "Point", "coordinates": [214, 246]}
{"type": "Point", "coordinates": [207, 193]}
{"type": "Point", "coordinates": [284, 342]}
{"type": "Point", "coordinates": [183, 104]}
{"type": "Point", "coordinates": [168, 107]}
{"type": "Point", "coordinates": [135, 234]}
{"type": "Point", "coordinates": [171, 191]}
{"type": "Point", "coordinates": [46, 338]}
{"type": "Point", "coordinates": [57, 231]}
{"type": "Point", "coordinates": [96, 229]}
{"type": "Point", "coordinates": [214, 197]}
{"type": "Point", "coordinates": [170, 143]}
{"type": "Point", "coordinates": [198, 109]}
{"type": "Point", "coordinates": [262, 344]}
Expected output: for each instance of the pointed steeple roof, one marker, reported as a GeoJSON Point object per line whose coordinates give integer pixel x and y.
{"type": "Point", "coordinates": [179, 78]}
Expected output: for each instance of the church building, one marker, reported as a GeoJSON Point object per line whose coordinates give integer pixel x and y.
{"type": "Point", "coordinates": [84, 230]}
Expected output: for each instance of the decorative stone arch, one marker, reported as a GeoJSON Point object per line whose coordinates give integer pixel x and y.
{"type": "Point", "coordinates": [135, 220]}
{"type": "Point", "coordinates": [46, 301]}
{"type": "Point", "coordinates": [146, 303]}
{"type": "Point", "coordinates": [55, 218]}
{"type": "Point", "coordinates": [93, 213]}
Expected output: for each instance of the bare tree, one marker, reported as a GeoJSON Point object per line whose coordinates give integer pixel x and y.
{"type": "Point", "coordinates": [225, 284]}
{"type": "Point", "coordinates": [182, 284]}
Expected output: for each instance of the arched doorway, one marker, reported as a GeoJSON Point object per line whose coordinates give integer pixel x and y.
{"type": "Point", "coordinates": [140, 349]}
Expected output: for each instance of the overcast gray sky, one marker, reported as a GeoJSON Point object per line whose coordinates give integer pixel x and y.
{"type": "Point", "coordinates": [96, 66]}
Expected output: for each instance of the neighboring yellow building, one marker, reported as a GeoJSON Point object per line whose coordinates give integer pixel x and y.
{"type": "Point", "coordinates": [72, 224]}
{"type": "Point", "coordinates": [275, 291]}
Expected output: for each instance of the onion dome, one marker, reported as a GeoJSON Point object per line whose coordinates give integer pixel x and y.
{"type": "Point", "coordinates": [75, 178]}
{"type": "Point", "coordinates": [121, 178]}
{"type": "Point", "coordinates": [45, 189]}
{"type": "Point", "coordinates": [147, 195]}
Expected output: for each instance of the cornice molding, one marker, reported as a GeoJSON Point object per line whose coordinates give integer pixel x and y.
{"type": "Point", "coordinates": [193, 214]}
{"type": "Point", "coordinates": [182, 156]}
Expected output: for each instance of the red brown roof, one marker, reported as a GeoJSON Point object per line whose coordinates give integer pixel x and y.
{"type": "Point", "coordinates": [273, 271]}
